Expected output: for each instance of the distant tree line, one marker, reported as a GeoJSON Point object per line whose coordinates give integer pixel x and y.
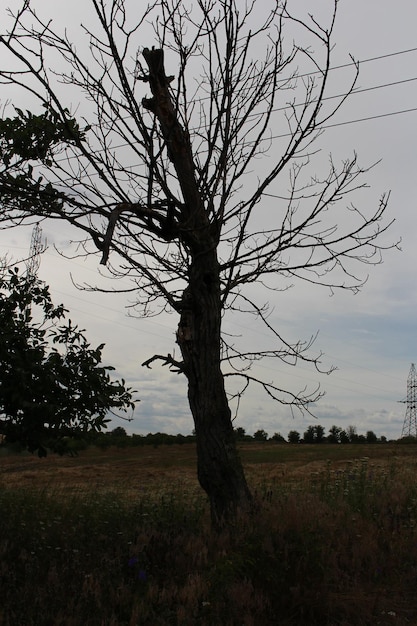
{"type": "Point", "coordinates": [314, 434]}
{"type": "Point", "coordinates": [118, 437]}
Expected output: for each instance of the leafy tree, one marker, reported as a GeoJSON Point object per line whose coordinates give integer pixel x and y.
{"type": "Point", "coordinates": [177, 181]}
{"type": "Point", "coordinates": [260, 435]}
{"type": "Point", "coordinates": [119, 437]}
{"type": "Point", "coordinates": [52, 383]}
{"type": "Point", "coordinates": [319, 433]}
{"type": "Point", "coordinates": [278, 438]}
{"type": "Point", "coordinates": [407, 439]}
{"type": "Point", "coordinates": [344, 437]}
{"type": "Point", "coordinates": [294, 436]}
{"type": "Point", "coordinates": [352, 434]}
{"type": "Point", "coordinates": [240, 433]}
{"type": "Point", "coordinates": [119, 431]}
{"type": "Point", "coordinates": [334, 434]}
{"type": "Point", "coordinates": [371, 437]}
{"type": "Point", "coordinates": [314, 434]}
{"type": "Point", "coordinates": [309, 435]}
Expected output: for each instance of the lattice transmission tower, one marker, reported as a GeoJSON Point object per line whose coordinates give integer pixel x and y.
{"type": "Point", "coordinates": [410, 421]}
{"type": "Point", "coordinates": [36, 249]}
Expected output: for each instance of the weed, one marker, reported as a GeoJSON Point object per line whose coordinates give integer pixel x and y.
{"type": "Point", "coordinates": [332, 547]}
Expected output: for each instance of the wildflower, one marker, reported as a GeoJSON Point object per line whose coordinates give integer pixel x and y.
{"type": "Point", "coordinates": [142, 575]}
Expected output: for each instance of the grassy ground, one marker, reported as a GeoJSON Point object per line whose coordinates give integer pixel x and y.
{"type": "Point", "coordinates": [122, 537]}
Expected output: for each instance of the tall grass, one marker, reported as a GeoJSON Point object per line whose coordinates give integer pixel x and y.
{"type": "Point", "coordinates": [337, 548]}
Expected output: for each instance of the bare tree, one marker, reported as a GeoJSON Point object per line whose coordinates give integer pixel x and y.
{"type": "Point", "coordinates": [189, 169]}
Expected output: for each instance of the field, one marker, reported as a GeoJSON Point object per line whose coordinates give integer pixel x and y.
{"type": "Point", "coordinates": [122, 537]}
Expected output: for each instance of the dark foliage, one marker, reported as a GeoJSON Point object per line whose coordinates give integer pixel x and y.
{"type": "Point", "coordinates": [52, 383]}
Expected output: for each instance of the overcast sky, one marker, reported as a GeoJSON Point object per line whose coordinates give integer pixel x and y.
{"type": "Point", "coordinates": [371, 337]}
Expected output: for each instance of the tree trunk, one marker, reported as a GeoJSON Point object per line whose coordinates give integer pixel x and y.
{"type": "Point", "coordinates": [220, 471]}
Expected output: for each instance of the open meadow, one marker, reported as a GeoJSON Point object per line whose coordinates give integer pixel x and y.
{"type": "Point", "coordinates": [122, 537]}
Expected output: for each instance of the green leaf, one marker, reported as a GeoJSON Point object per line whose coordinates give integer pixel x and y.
{"type": "Point", "coordinates": [52, 383]}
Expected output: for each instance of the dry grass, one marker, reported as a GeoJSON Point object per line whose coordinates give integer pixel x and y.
{"type": "Point", "coordinates": [122, 537]}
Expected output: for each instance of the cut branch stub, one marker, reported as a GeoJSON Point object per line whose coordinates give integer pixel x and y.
{"type": "Point", "coordinates": [194, 220]}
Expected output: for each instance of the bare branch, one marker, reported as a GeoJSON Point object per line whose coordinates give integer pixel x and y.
{"type": "Point", "coordinates": [174, 366]}
{"type": "Point", "coordinates": [191, 169]}
{"type": "Point", "coordinates": [300, 400]}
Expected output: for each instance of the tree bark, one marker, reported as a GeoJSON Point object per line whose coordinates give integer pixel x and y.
{"type": "Point", "coordinates": [220, 471]}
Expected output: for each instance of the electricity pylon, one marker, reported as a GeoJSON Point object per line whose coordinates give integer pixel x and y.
{"type": "Point", "coordinates": [410, 421]}
{"type": "Point", "coordinates": [36, 249]}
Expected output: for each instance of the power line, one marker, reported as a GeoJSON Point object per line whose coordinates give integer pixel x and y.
{"type": "Point", "coordinates": [373, 117]}
{"type": "Point", "coordinates": [355, 63]}
{"type": "Point", "coordinates": [255, 329]}
{"type": "Point", "coordinates": [338, 67]}
{"type": "Point", "coordinates": [338, 96]}
{"type": "Point", "coordinates": [361, 119]}
{"type": "Point", "coordinates": [352, 93]}
{"type": "Point", "coordinates": [355, 121]}
{"type": "Point", "coordinates": [366, 389]}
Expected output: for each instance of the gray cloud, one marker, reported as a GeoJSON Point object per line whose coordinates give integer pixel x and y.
{"type": "Point", "coordinates": [371, 337]}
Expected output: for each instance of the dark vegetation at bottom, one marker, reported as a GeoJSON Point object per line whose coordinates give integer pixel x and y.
{"type": "Point", "coordinates": [337, 549]}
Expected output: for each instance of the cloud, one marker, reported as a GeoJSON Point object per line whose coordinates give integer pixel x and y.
{"type": "Point", "coordinates": [371, 337]}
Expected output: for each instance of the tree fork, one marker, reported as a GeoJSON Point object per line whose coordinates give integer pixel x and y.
{"type": "Point", "coordinates": [193, 219]}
